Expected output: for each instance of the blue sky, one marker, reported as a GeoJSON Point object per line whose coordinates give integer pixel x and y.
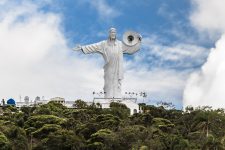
{"type": "Point", "coordinates": [146, 17]}
{"type": "Point", "coordinates": [83, 22]}
{"type": "Point", "coordinates": [173, 45]}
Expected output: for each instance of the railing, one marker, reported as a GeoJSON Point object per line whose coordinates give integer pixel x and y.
{"type": "Point", "coordinates": [116, 99]}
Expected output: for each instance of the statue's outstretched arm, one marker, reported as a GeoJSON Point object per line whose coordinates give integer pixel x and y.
{"type": "Point", "coordinates": [91, 48]}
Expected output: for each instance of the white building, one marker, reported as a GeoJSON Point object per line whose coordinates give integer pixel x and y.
{"type": "Point", "coordinates": [105, 103]}
{"type": "Point", "coordinates": [58, 100]}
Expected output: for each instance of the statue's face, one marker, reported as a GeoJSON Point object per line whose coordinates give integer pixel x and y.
{"type": "Point", "coordinates": [112, 34]}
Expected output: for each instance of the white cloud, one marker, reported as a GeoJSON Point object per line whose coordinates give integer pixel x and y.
{"type": "Point", "coordinates": [105, 11]}
{"type": "Point", "coordinates": [206, 87]}
{"type": "Point", "coordinates": [185, 55]}
{"type": "Point", "coordinates": [35, 59]}
{"type": "Point", "coordinates": [2, 2]}
{"type": "Point", "coordinates": [208, 16]}
{"type": "Point", "coordinates": [159, 84]}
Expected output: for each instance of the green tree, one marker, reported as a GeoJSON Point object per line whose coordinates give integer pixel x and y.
{"type": "Point", "coordinates": [132, 137]}
{"type": "Point", "coordinates": [15, 135]}
{"type": "Point", "coordinates": [27, 111]}
{"type": "Point", "coordinates": [163, 124]}
{"type": "Point", "coordinates": [61, 140]}
{"type": "Point", "coordinates": [107, 121]}
{"type": "Point", "coordinates": [39, 120]}
{"type": "Point", "coordinates": [102, 139]}
{"type": "Point", "coordinates": [212, 144]}
{"type": "Point", "coordinates": [80, 104]}
{"type": "Point", "coordinates": [120, 110]}
{"type": "Point", "coordinates": [52, 108]}
{"type": "Point", "coordinates": [141, 119]}
{"type": "Point", "coordinates": [46, 130]}
{"type": "Point", "coordinates": [4, 142]}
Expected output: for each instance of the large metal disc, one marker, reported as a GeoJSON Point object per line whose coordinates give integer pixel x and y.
{"type": "Point", "coordinates": [131, 38]}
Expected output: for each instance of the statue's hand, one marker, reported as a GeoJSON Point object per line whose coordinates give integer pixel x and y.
{"type": "Point", "coordinates": [77, 48]}
{"type": "Point", "coordinates": [140, 37]}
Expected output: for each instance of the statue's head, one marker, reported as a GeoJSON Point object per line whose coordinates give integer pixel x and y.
{"type": "Point", "coordinates": [112, 33]}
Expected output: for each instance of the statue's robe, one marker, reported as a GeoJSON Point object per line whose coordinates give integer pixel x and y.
{"type": "Point", "coordinates": [112, 53]}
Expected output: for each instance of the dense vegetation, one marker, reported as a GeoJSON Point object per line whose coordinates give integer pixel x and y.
{"type": "Point", "coordinates": [55, 127]}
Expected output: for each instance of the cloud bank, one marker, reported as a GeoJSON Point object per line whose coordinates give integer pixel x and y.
{"type": "Point", "coordinates": [105, 11]}
{"type": "Point", "coordinates": [206, 87]}
{"type": "Point", "coordinates": [208, 16]}
{"type": "Point", "coordinates": [35, 59]}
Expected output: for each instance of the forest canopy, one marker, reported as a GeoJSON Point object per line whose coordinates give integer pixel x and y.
{"type": "Point", "coordinates": [53, 126]}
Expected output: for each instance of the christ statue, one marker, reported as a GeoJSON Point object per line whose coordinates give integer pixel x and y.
{"type": "Point", "coordinates": [112, 51]}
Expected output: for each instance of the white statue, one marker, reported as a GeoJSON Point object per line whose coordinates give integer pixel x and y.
{"type": "Point", "coordinates": [112, 51]}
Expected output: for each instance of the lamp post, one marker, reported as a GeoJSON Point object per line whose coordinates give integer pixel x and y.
{"type": "Point", "coordinates": [144, 95]}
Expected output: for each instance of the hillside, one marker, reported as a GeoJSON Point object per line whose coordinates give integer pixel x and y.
{"type": "Point", "coordinates": [55, 127]}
